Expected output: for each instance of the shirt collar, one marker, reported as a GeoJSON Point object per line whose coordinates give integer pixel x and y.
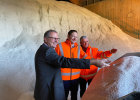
{"type": "Point", "coordinates": [45, 44]}
{"type": "Point", "coordinates": [69, 42]}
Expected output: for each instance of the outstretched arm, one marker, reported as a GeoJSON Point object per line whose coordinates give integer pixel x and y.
{"type": "Point", "coordinates": [61, 61]}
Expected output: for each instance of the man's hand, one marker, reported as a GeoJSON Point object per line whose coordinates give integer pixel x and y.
{"type": "Point", "coordinates": [113, 50]}
{"type": "Point", "coordinates": [100, 63]}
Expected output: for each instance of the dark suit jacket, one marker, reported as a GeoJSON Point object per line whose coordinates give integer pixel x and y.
{"type": "Point", "coordinates": [49, 84]}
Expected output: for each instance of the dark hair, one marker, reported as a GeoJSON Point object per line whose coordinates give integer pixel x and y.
{"type": "Point", "coordinates": [82, 37]}
{"type": "Point", "coordinates": [47, 33]}
{"type": "Point", "coordinates": [71, 31]}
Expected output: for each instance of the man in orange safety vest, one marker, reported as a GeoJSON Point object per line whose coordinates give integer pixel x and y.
{"type": "Point", "coordinates": [70, 76]}
{"type": "Point", "coordinates": [87, 75]}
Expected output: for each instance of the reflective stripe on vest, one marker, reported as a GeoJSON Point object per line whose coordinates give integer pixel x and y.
{"type": "Point", "coordinates": [61, 49]}
{"type": "Point", "coordinates": [68, 74]}
{"type": "Point", "coordinates": [78, 52]}
{"type": "Point", "coordinates": [91, 52]}
{"type": "Point", "coordinates": [85, 53]}
{"type": "Point", "coordinates": [85, 56]}
{"type": "Point", "coordinates": [86, 76]}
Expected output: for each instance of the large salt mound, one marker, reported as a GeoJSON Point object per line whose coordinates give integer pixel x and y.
{"type": "Point", "coordinates": [118, 80]}
{"type": "Point", "coordinates": [22, 24]}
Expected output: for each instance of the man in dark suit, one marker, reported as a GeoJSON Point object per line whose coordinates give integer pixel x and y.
{"type": "Point", "coordinates": [49, 84]}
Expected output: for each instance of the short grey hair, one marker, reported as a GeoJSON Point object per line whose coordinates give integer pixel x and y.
{"type": "Point", "coordinates": [47, 33]}
{"type": "Point", "coordinates": [82, 37]}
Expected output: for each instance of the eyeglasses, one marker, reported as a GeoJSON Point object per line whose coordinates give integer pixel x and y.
{"type": "Point", "coordinates": [74, 37]}
{"type": "Point", "coordinates": [54, 38]}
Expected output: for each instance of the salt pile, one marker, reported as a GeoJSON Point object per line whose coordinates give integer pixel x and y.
{"type": "Point", "coordinates": [118, 80]}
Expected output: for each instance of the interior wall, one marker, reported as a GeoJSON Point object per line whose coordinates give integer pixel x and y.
{"type": "Point", "coordinates": [123, 13]}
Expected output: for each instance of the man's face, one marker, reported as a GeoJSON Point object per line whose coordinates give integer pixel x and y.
{"type": "Point", "coordinates": [52, 40]}
{"type": "Point", "coordinates": [84, 42]}
{"type": "Point", "coordinates": [73, 37]}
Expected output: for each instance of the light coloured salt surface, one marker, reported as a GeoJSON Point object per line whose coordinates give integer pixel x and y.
{"type": "Point", "coordinates": [113, 82]}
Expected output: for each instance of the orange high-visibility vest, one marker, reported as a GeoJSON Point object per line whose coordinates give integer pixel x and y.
{"type": "Point", "coordinates": [93, 53]}
{"type": "Point", "coordinates": [65, 49]}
